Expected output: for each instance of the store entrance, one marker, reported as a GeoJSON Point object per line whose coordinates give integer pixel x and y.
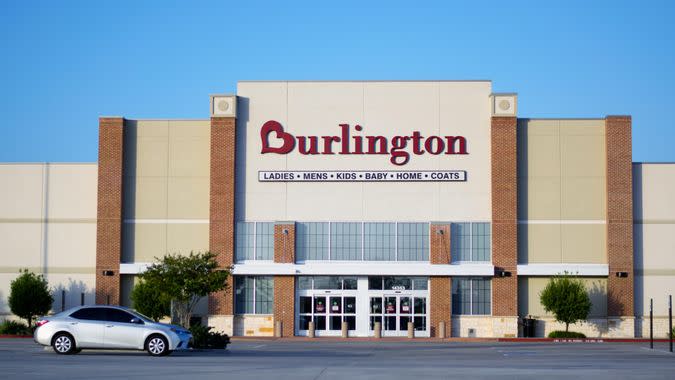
{"type": "Point", "coordinates": [395, 311]}
{"type": "Point", "coordinates": [328, 301]}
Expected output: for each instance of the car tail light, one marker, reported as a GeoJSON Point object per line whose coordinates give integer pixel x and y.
{"type": "Point", "coordinates": [41, 322]}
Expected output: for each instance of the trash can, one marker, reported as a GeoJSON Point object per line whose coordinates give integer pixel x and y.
{"type": "Point", "coordinates": [529, 327]}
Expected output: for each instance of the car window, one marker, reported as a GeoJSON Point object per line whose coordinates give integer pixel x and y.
{"type": "Point", "coordinates": [117, 315]}
{"type": "Point", "coordinates": [90, 314]}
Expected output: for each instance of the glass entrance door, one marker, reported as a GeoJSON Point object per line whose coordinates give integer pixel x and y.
{"type": "Point", "coordinates": [394, 311]}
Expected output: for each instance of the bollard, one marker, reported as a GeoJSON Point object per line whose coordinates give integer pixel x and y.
{"type": "Point", "coordinates": [441, 329]}
{"type": "Point", "coordinates": [411, 330]}
{"type": "Point", "coordinates": [378, 330]}
{"type": "Point", "coordinates": [345, 329]}
{"type": "Point", "coordinates": [278, 329]}
{"type": "Point", "coordinates": [312, 331]}
{"type": "Point", "coordinates": [651, 323]}
{"type": "Point", "coordinates": [670, 321]}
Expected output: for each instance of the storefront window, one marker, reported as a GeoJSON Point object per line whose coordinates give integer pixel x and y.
{"type": "Point", "coordinates": [413, 241]}
{"type": "Point", "coordinates": [345, 241]}
{"type": "Point", "coordinates": [471, 296]}
{"type": "Point", "coordinates": [253, 294]}
{"type": "Point", "coordinates": [470, 241]}
{"type": "Point", "coordinates": [254, 241]}
{"type": "Point", "coordinates": [311, 241]}
{"type": "Point", "coordinates": [379, 241]}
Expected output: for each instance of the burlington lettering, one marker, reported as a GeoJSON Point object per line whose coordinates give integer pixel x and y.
{"type": "Point", "coordinates": [284, 143]}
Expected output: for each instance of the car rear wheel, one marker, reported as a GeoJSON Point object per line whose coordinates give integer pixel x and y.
{"type": "Point", "coordinates": [63, 344]}
{"type": "Point", "coordinates": [157, 345]}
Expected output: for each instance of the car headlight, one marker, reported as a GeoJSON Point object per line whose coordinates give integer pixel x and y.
{"type": "Point", "coordinates": [180, 331]}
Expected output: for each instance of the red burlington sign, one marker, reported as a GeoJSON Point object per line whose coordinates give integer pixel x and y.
{"type": "Point", "coordinates": [309, 145]}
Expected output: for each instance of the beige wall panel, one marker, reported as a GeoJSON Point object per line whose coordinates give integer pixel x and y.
{"type": "Point", "coordinates": [143, 242]}
{"type": "Point", "coordinates": [21, 192]}
{"type": "Point", "coordinates": [657, 287]}
{"type": "Point", "coordinates": [583, 198]}
{"type": "Point", "coordinates": [189, 155]}
{"type": "Point", "coordinates": [591, 127]}
{"type": "Point", "coordinates": [584, 243]}
{"type": "Point", "coordinates": [152, 157]}
{"type": "Point", "coordinates": [22, 242]}
{"type": "Point", "coordinates": [654, 186]}
{"type": "Point", "coordinates": [539, 198]}
{"type": "Point", "coordinates": [184, 238]}
{"type": "Point", "coordinates": [529, 289]}
{"type": "Point", "coordinates": [145, 198]}
{"type": "Point", "coordinates": [73, 285]}
{"type": "Point", "coordinates": [72, 191]}
{"type": "Point", "coordinates": [71, 245]}
{"type": "Point", "coordinates": [188, 198]}
{"type": "Point", "coordinates": [543, 155]}
{"type": "Point", "coordinates": [539, 243]}
{"type": "Point", "coordinates": [654, 246]}
{"type": "Point", "coordinates": [342, 201]}
{"type": "Point", "coordinates": [147, 128]}
{"type": "Point", "coordinates": [190, 127]}
{"type": "Point", "coordinates": [583, 155]}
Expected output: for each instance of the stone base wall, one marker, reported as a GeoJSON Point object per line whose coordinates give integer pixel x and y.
{"type": "Point", "coordinates": [623, 327]}
{"type": "Point", "coordinates": [221, 323]}
{"type": "Point", "coordinates": [660, 327]}
{"type": "Point", "coordinates": [484, 326]}
{"type": "Point", "coordinates": [253, 325]}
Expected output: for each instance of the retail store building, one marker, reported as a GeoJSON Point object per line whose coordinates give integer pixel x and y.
{"type": "Point", "coordinates": [360, 202]}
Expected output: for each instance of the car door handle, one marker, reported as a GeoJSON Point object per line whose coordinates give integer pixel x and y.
{"type": "Point", "coordinates": [109, 326]}
{"type": "Point", "coordinates": [73, 323]}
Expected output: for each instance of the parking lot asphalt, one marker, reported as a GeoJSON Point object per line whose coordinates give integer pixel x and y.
{"type": "Point", "coordinates": [269, 359]}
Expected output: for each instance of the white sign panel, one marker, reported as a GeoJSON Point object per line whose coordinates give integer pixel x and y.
{"type": "Point", "coordinates": [363, 176]}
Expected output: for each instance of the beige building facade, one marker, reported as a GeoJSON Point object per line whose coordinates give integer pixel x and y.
{"type": "Point", "coordinates": [357, 206]}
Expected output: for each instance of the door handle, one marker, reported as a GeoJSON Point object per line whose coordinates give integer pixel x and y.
{"type": "Point", "coordinates": [109, 326]}
{"type": "Point", "coordinates": [73, 323]}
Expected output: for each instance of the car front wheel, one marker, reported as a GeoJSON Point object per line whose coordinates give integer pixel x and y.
{"type": "Point", "coordinates": [63, 344]}
{"type": "Point", "coordinates": [157, 345]}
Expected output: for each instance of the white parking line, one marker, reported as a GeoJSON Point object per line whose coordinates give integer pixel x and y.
{"type": "Point", "coordinates": [259, 346]}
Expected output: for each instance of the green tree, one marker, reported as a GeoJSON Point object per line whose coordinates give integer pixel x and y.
{"type": "Point", "coordinates": [566, 297]}
{"type": "Point", "coordinates": [147, 298]}
{"type": "Point", "coordinates": [30, 296]}
{"type": "Point", "coordinates": [185, 279]}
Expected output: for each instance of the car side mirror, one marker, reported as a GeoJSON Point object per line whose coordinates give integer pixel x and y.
{"type": "Point", "coordinates": [137, 321]}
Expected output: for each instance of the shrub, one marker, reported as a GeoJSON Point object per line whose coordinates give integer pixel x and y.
{"type": "Point", "coordinates": [566, 297]}
{"type": "Point", "coordinates": [203, 337]}
{"type": "Point", "coordinates": [30, 296]}
{"type": "Point", "coordinates": [566, 334]}
{"type": "Point", "coordinates": [14, 328]}
{"type": "Point", "coordinates": [148, 299]}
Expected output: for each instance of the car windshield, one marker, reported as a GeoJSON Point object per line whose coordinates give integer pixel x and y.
{"type": "Point", "coordinates": [141, 316]}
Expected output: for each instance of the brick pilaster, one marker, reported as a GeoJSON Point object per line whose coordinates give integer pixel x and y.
{"type": "Point", "coordinates": [619, 215]}
{"type": "Point", "coordinates": [284, 303]}
{"type": "Point", "coordinates": [221, 210]}
{"type": "Point", "coordinates": [284, 242]}
{"type": "Point", "coordinates": [440, 244]}
{"type": "Point", "coordinates": [440, 304]}
{"type": "Point", "coordinates": [109, 209]}
{"type": "Point", "coordinates": [504, 215]}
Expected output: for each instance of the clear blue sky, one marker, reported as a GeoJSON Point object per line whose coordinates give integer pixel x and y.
{"type": "Point", "coordinates": [65, 63]}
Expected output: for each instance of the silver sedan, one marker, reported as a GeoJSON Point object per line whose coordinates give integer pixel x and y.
{"type": "Point", "coordinates": [109, 327]}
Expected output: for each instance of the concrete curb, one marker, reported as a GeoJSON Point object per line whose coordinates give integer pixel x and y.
{"type": "Point", "coordinates": [449, 340]}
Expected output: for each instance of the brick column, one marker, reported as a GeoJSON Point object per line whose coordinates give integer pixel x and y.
{"type": "Point", "coordinates": [109, 209]}
{"type": "Point", "coordinates": [221, 211]}
{"type": "Point", "coordinates": [619, 215]}
{"type": "Point", "coordinates": [504, 216]}
{"type": "Point", "coordinates": [440, 244]}
{"type": "Point", "coordinates": [284, 303]}
{"type": "Point", "coordinates": [284, 242]}
{"type": "Point", "coordinates": [440, 288]}
{"type": "Point", "coordinates": [440, 304]}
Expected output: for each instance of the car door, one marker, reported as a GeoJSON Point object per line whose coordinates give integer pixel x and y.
{"type": "Point", "coordinates": [120, 332]}
{"type": "Point", "coordinates": [87, 325]}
